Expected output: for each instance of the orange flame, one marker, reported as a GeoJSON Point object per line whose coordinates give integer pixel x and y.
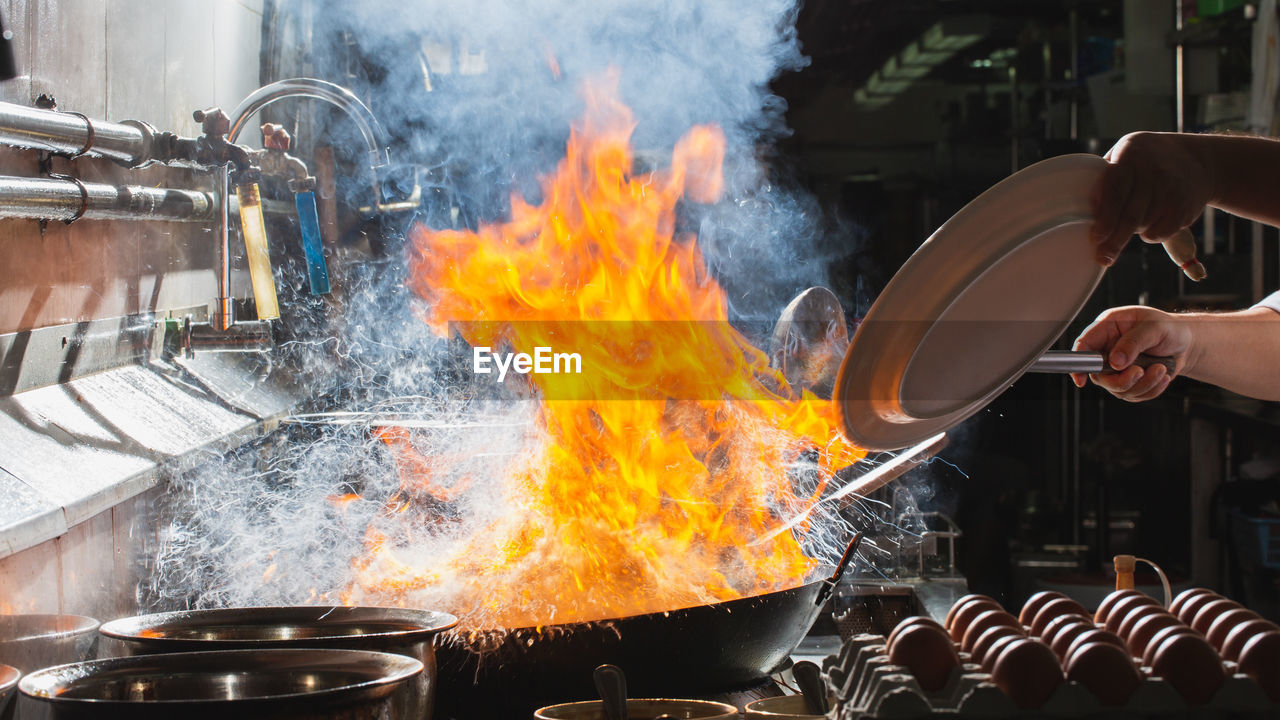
{"type": "Point", "coordinates": [649, 497]}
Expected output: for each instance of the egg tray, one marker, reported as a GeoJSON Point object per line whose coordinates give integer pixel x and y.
{"type": "Point", "coordinates": [866, 686]}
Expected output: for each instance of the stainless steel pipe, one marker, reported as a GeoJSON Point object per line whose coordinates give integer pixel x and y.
{"type": "Point", "coordinates": [67, 133]}
{"type": "Point", "coordinates": [375, 137]}
{"type": "Point", "coordinates": [53, 199]}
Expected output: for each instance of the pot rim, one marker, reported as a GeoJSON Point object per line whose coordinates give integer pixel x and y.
{"type": "Point", "coordinates": [79, 625]}
{"type": "Point", "coordinates": [46, 686]}
{"type": "Point", "coordinates": [150, 629]}
{"type": "Point", "coordinates": [723, 710]}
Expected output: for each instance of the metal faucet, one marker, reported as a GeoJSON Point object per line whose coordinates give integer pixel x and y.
{"type": "Point", "coordinates": [219, 140]}
{"type": "Point", "coordinates": [374, 136]}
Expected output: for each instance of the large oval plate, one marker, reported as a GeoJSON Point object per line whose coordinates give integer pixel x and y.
{"type": "Point", "coordinates": [973, 307]}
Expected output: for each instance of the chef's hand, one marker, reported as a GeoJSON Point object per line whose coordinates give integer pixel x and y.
{"type": "Point", "coordinates": [1120, 334]}
{"type": "Point", "coordinates": [1155, 185]}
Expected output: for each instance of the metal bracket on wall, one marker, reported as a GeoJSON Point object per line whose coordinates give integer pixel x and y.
{"type": "Point", "coordinates": [51, 355]}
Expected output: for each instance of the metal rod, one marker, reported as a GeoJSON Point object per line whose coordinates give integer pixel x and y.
{"type": "Point", "coordinates": [67, 133]}
{"type": "Point", "coordinates": [244, 337]}
{"type": "Point", "coordinates": [69, 200]}
{"type": "Point", "coordinates": [1057, 361]}
{"type": "Point", "coordinates": [224, 315]}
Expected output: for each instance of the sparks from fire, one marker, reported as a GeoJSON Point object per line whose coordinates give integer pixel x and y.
{"type": "Point", "coordinates": [621, 507]}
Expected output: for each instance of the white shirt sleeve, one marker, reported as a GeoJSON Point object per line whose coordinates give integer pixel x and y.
{"type": "Point", "coordinates": [1271, 301]}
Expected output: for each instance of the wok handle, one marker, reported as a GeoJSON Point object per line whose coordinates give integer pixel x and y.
{"type": "Point", "coordinates": [1056, 361]}
{"type": "Point", "coordinates": [829, 585]}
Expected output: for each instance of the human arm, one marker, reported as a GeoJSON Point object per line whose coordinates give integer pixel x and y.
{"type": "Point", "coordinates": [1239, 351]}
{"type": "Point", "coordinates": [1158, 183]}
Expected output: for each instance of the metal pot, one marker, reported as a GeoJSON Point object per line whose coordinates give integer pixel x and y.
{"type": "Point", "coordinates": [691, 651]}
{"type": "Point", "coordinates": [396, 630]}
{"type": "Point", "coordinates": [9, 677]}
{"type": "Point", "coordinates": [640, 710]}
{"type": "Point", "coordinates": [31, 642]}
{"type": "Point", "coordinates": [240, 684]}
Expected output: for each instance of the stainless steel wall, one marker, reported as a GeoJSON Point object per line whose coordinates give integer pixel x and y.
{"type": "Point", "coordinates": [150, 60]}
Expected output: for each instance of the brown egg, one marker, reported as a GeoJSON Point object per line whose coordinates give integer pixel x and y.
{"type": "Point", "coordinates": [1095, 635]}
{"type": "Point", "coordinates": [1192, 667]}
{"type": "Point", "coordinates": [1061, 622]}
{"type": "Point", "coordinates": [1028, 672]}
{"type": "Point", "coordinates": [1162, 636]}
{"type": "Point", "coordinates": [928, 653]}
{"type": "Point", "coordinates": [1106, 670]}
{"type": "Point", "coordinates": [1260, 660]}
{"type": "Point", "coordinates": [982, 623]}
{"type": "Point", "coordinates": [1240, 636]}
{"type": "Point", "coordinates": [1193, 604]}
{"type": "Point", "coordinates": [1034, 603]}
{"type": "Point", "coordinates": [1104, 608]}
{"type": "Point", "coordinates": [1063, 639]}
{"type": "Point", "coordinates": [1121, 610]}
{"type": "Point", "coordinates": [984, 644]}
{"type": "Point", "coordinates": [967, 614]}
{"type": "Point", "coordinates": [1176, 606]}
{"type": "Point", "coordinates": [1209, 612]}
{"type": "Point", "coordinates": [1225, 623]}
{"type": "Point", "coordinates": [1146, 628]}
{"type": "Point", "coordinates": [1054, 608]}
{"type": "Point", "coordinates": [951, 614]}
{"type": "Point", "coordinates": [993, 654]}
{"type": "Point", "coordinates": [908, 622]}
{"type": "Point", "coordinates": [1135, 615]}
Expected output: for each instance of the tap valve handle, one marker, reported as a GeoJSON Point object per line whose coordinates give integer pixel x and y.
{"type": "Point", "coordinates": [213, 121]}
{"type": "Point", "coordinates": [275, 137]}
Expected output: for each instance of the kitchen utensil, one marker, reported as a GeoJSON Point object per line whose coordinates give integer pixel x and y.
{"type": "Point", "coordinates": [9, 677]}
{"type": "Point", "coordinates": [397, 630]}
{"type": "Point", "coordinates": [869, 475]}
{"type": "Point", "coordinates": [783, 707]}
{"type": "Point", "coordinates": [974, 307]}
{"type": "Point", "coordinates": [31, 642]}
{"type": "Point", "coordinates": [809, 339]}
{"type": "Point", "coordinates": [809, 677]}
{"type": "Point", "coordinates": [688, 651]}
{"type": "Point", "coordinates": [1058, 361]}
{"type": "Point", "coordinates": [241, 684]}
{"type": "Point", "coordinates": [612, 686]}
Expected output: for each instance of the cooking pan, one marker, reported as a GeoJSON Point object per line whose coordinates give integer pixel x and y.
{"type": "Point", "coordinates": [975, 307]}
{"type": "Point", "coordinates": [686, 652]}
{"type": "Point", "coordinates": [30, 642]}
{"type": "Point", "coordinates": [276, 684]}
{"type": "Point", "coordinates": [401, 631]}
{"type": "Point", "coordinates": [9, 677]}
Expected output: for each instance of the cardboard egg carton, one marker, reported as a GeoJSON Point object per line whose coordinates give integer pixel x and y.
{"type": "Point", "coordinates": [866, 686]}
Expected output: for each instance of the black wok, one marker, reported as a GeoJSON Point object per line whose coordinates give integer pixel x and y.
{"type": "Point", "coordinates": [688, 652]}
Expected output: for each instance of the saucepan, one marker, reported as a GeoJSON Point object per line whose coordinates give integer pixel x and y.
{"type": "Point", "coordinates": [407, 632]}
{"type": "Point", "coordinates": [242, 684]}
{"type": "Point", "coordinates": [31, 642]}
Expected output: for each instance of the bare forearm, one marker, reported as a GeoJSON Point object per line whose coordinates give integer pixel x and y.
{"type": "Point", "coordinates": [1245, 174]}
{"type": "Point", "coordinates": [1239, 351]}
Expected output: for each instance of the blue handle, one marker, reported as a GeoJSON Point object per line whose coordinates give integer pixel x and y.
{"type": "Point", "coordinates": [312, 247]}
